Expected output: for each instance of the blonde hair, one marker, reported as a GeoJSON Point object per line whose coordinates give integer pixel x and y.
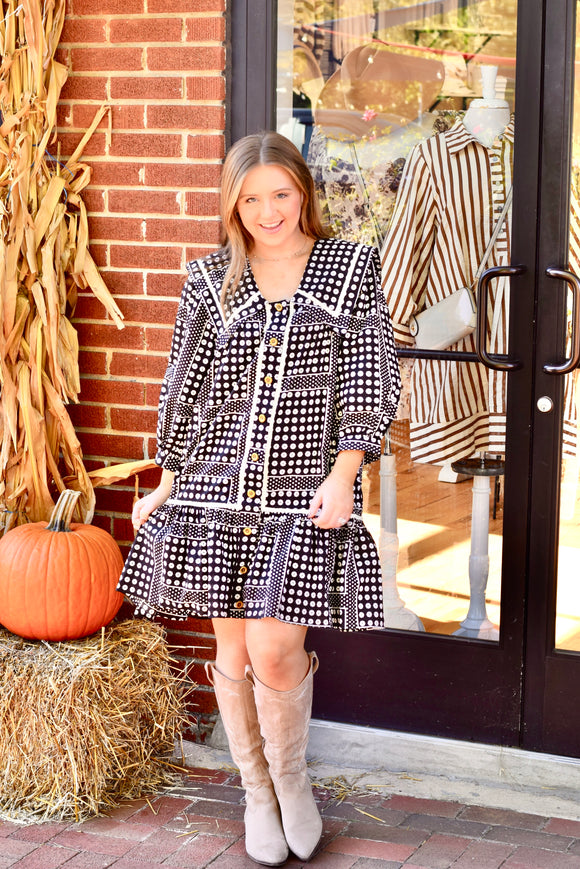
{"type": "Point", "coordinates": [261, 149]}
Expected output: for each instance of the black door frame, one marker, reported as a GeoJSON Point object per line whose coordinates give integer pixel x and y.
{"type": "Point", "coordinates": [393, 679]}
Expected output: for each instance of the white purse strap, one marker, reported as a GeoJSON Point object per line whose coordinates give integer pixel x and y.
{"type": "Point", "coordinates": [493, 239]}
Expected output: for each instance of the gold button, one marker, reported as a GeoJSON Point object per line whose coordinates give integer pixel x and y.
{"type": "Point", "coordinates": [250, 493]}
{"type": "Point", "coordinates": [243, 569]}
{"type": "Point", "coordinates": [262, 417]}
{"type": "Point", "coordinates": [239, 604]}
{"type": "Point", "coordinates": [268, 380]}
{"type": "Point", "coordinates": [273, 342]}
{"type": "Point", "coordinates": [254, 457]}
{"type": "Point", "coordinates": [247, 531]}
{"type": "Point", "coordinates": [278, 306]}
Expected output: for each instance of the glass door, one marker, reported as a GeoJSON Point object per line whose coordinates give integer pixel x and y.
{"type": "Point", "coordinates": [405, 115]}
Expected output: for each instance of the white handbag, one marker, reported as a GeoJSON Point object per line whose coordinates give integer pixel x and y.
{"type": "Point", "coordinates": [447, 322]}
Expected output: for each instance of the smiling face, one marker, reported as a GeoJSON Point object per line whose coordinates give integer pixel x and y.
{"type": "Point", "coordinates": [269, 207]}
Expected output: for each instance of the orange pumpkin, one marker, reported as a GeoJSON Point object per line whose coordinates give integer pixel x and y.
{"type": "Point", "coordinates": [58, 579]}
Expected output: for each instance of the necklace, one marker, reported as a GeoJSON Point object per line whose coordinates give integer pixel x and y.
{"type": "Point", "coordinates": [277, 259]}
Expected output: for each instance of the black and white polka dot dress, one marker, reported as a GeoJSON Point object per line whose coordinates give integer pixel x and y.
{"type": "Point", "coordinates": [253, 412]}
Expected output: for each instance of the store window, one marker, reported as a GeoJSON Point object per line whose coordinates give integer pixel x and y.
{"type": "Point", "coordinates": [376, 94]}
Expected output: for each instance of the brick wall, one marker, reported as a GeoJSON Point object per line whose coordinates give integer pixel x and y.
{"type": "Point", "coordinates": [153, 204]}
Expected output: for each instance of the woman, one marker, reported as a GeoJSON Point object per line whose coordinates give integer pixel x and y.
{"type": "Point", "coordinates": [282, 379]}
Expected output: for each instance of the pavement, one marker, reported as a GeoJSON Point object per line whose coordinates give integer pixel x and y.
{"type": "Point", "coordinates": [198, 823]}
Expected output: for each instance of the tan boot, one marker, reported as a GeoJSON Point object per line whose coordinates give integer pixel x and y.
{"type": "Point", "coordinates": [265, 842]}
{"type": "Point", "coordinates": [284, 718]}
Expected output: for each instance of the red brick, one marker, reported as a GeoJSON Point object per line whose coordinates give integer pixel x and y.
{"type": "Point", "coordinates": [108, 7]}
{"type": "Point", "coordinates": [147, 29]}
{"type": "Point", "coordinates": [107, 335]}
{"type": "Point", "coordinates": [92, 363]}
{"type": "Point", "coordinates": [206, 88]}
{"type": "Point", "coordinates": [158, 339]}
{"type": "Point", "coordinates": [187, 231]}
{"type": "Point", "coordinates": [125, 283]}
{"type": "Point", "coordinates": [111, 446]}
{"type": "Point", "coordinates": [139, 88]}
{"type": "Point", "coordinates": [203, 204]}
{"type": "Point", "coordinates": [532, 858]}
{"type": "Point", "coordinates": [99, 252]}
{"type": "Point", "coordinates": [87, 415]}
{"type": "Point", "coordinates": [144, 201]}
{"type": "Point", "coordinates": [138, 364]}
{"type": "Point", "coordinates": [503, 817]}
{"type": "Point", "coordinates": [81, 87]}
{"type": "Point", "coordinates": [160, 311]}
{"type": "Point", "coordinates": [14, 848]}
{"type": "Point", "coordinates": [185, 6]}
{"type": "Point", "coordinates": [439, 851]}
{"type": "Point", "coordinates": [93, 843]}
{"type": "Point", "coordinates": [133, 420]}
{"type": "Point", "coordinates": [123, 531]}
{"type": "Point", "coordinates": [46, 857]}
{"type": "Point", "coordinates": [146, 257]}
{"type": "Point", "coordinates": [368, 848]}
{"type": "Point", "coordinates": [186, 117]}
{"type": "Point", "coordinates": [110, 173]}
{"type": "Point", "coordinates": [483, 855]}
{"type": "Point", "coordinates": [192, 253]}
{"type": "Point", "coordinates": [161, 811]}
{"type": "Point", "coordinates": [106, 59]}
{"type": "Point", "coordinates": [160, 284]}
{"type": "Point", "coordinates": [39, 833]}
{"type": "Point", "coordinates": [205, 147]}
{"type": "Point", "coordinates": [112, 391]}
{"type": "Point", "coordinates": [185, 58]}
{"type": "Point", "coordinates": [563, 827]}
{"type": "Point", "coordinates": [206, 29]}
{"type": "Point", "coordinates": [83, 30]}
{"type": "Point", "coordinates": [124, 117]}
{"type": "Point", "coordinates": [414, 805]}
{"type": "Point", "coordinates": [185, 175]}
{"type": "Point", "coordinates": [94, 200]}
{"type": "Point", "coordinates": [145, 145]}
{"type": "Point", "coordinates": [152, 392]}
{"type": "Point", "coordinates": [95, 147]}
{"type": "Point", "coordinates": [112, 499]}
{"type": "Point", "coordinates": [117, 228]}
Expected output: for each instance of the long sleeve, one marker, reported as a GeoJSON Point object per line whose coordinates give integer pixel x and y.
{"type": "Point", "coordinates": [406, 253]}
{"type": "Point", "coordinates": [190, 357]}
{"type": "Point", "coordinates": [369, 381]}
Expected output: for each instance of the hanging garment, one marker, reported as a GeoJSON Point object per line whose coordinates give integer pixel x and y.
{"type": "Point", "coordinates": [452, 191]}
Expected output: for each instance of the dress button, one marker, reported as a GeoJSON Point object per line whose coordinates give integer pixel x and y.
{"type": "Point", "coordinates": [262, 417]}
{"type": "Point", "coordinates": [250, 493]}
{"type": "Point", "coordinates": [247, 531]}
{"type": "Point", "coordinates": [273, 342]}
{"type": "Point", "coordinates": [239, 604]}
{"type": "Point", "coordinates": [243, 569]}
{"type": "Point", "coordinates": [278, 306]}
{"type": "Point", "coordinates": [268, 380]}
{"type": "Point", "coordinates": [254, 457]}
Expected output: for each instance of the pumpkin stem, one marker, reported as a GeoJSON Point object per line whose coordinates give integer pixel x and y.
{"type": "Point", "coordinates": [61, 516]}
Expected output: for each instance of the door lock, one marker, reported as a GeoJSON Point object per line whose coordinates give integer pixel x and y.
{"type": "Point", "coordinates": [545, 404]}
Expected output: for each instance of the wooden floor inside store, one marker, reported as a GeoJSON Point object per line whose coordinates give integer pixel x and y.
{"type": "Point", "coordinates": [434, 531]}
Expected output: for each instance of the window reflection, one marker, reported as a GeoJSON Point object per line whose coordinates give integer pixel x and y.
{"type": "Point", "coordinates": [361, 85]}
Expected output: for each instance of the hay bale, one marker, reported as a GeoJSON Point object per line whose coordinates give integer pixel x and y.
{"type": "Point", "coordinates": [86, 723]}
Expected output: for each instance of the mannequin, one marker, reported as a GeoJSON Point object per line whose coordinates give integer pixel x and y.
{"type": "Point", "coordinates": [488, 117]}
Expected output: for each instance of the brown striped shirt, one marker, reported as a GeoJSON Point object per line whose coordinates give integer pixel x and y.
{"type": "Point", "coordinates": [451, 196]}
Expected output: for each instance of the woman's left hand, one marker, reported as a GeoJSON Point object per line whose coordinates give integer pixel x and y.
{"type": "Point", "coordinates": [333, 501]}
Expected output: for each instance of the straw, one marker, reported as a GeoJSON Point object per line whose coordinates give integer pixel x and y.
{"type": "Point", "coordinates": [88, 723]}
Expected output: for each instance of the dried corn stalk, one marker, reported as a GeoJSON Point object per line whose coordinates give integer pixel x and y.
{"type": "Point", "coordinates": [44, 259]}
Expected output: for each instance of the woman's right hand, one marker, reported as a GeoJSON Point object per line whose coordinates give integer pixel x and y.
{"type": "Point", "coordinates": [144, 507]}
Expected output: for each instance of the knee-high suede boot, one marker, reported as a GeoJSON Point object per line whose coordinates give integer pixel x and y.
{"type": "Point", "coordinates": [265, 842]}
{"type": "Point", "coordinates": [284, 717]}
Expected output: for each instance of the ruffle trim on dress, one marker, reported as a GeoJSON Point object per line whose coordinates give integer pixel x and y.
{"type": "Point", "coordinates": [184, 563]}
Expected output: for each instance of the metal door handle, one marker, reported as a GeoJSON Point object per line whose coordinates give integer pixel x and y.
{"type": "Point", "coordinates": [496, 361]}
{"type": "Point", "coordinates": [574, 284]}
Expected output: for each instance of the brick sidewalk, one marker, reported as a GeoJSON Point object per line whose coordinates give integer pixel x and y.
{"type": "Point", "coordinates": [200, 823]}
